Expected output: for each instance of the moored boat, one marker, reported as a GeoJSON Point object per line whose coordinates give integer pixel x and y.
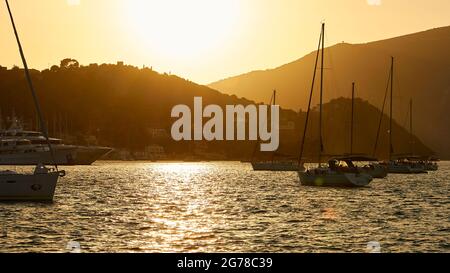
{"type": "Point", "coordinates": [40, 185]}
{"type": "Point", "coordinates": [340, 172]}
{"type": "Point", "coordinates": [400, 167]}
{"type": "Point", "coordinates": [21, 147]}
{"type": "Point", "coordinates": [324, 177]}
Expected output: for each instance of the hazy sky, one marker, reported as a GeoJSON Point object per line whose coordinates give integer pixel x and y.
{"type": "Point", "coordinates": [203, 40]}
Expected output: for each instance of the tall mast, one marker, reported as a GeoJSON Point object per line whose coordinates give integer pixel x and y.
{"type": "Point", "coordinates": [30, 84]}
{"type": "Point", "coordinates": [274, 103]}
{"type": "Point", "coordinates": [386, 93]}
{"type": "Point", "coordinates": [411, 141]}
{"type": "Point", "coordinates": [352, 118]}
{"type": "Point", "coordinates": [321, 95]}
{"type": "Point", "coordinates": [274, 97]}
{"type": "Point", "coordinates": [391, 147]}
{"type": "Point", "coordinates": [308, 112]}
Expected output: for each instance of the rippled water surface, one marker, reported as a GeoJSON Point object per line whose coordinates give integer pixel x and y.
{"type": "Point", "coordinates": [222, 207]}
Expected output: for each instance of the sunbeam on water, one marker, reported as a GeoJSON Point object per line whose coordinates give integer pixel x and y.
{"type": "Point", "coordinates": [226, 207]}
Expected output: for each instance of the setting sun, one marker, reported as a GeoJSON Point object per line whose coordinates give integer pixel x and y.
{"type": "Point", "coordinates": [181, 29]}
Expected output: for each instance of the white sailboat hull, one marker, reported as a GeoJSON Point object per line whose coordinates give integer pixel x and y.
{"type": "Point", "coordinates": [331, 179]}
{"type": "Point", "coordinates": [24, 187]}
{"type": "Point", "coordinates": [276, 166]}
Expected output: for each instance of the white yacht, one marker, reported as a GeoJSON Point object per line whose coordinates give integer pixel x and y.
{"type": "Point", "coordinates": [21, 147]}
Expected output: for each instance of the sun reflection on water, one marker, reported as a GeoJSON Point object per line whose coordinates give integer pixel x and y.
{"type": "Point", "coordinates": [226, 207]}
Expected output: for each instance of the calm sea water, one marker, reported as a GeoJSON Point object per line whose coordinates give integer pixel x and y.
{"type": "Point", "coordinates": [223, 207]}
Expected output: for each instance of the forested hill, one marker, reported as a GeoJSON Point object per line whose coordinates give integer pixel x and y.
{"type": "Point", "coordinates": [121, 106]}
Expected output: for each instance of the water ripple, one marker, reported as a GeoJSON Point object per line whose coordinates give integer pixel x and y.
{"type": "Point", "coordinates": [226, 207]}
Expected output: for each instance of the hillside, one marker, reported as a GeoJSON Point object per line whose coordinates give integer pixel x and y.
{"type": "Point", "coordinates": [422, 73]}
{"type": "Point", "coordinates": [121, 106]}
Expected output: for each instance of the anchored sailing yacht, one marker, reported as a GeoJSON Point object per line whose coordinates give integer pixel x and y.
{"type": "Point", "coordinates": [406, 165]}
{"type": "Point", "coordinates": [275, 165]}
{"type": "Point", "coordinates": [20, 147]}
{"type": "Point", "coordinates": [340, 172]}
{"type": "Point", "coordinates": [424, 162]}
{"type": "Point", "coordinates": [41, 184]}
{"type": "Point", "coordinates": [400, 165]}
{"type": "Point", "coordinates": [373, 168]}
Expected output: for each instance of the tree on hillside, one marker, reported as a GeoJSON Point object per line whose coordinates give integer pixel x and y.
{"type": "Point", "coordinates": [69, 63]}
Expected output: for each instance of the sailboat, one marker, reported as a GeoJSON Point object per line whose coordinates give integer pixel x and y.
{"type": "Point", "coordinates": [373, 168]}
{"type": "Point", "coordinates": [275, 165]}
{"type": "Point", "coordinates": [340, 172]}
{"type": "Point", "coordinates": [41, 184]}
{"type": "Point", "coordinates": [399, 164]}
{"type": "Point", "coordinates": [427, 162]}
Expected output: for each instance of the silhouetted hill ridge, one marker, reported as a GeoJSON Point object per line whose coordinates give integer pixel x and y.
{"type": "Point", "coordinates": [422, 66]}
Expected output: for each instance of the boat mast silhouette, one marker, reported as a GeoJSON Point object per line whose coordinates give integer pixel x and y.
{"type": "Point", "coordinates": [411, 133]}
{"type": "Point", "coordinates": [308, 112]}
{"type": "Point", "coordinates": [391, 147]}
{"type": "Point", "coordinates": [386, 93]}
{"type": "Point", "coordinates": [352, 118]}
{"type": "Point", "coordinates": [321, 96]}
{"type": "Point", "coordinates": [43, 125]}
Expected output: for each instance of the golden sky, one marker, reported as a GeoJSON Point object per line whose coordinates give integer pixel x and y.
{"type": "Point", "coordinates": [202, 40]}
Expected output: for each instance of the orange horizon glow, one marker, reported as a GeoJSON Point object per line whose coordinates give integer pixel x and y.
{"type": "Point", "coordinates": [202, 40]}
